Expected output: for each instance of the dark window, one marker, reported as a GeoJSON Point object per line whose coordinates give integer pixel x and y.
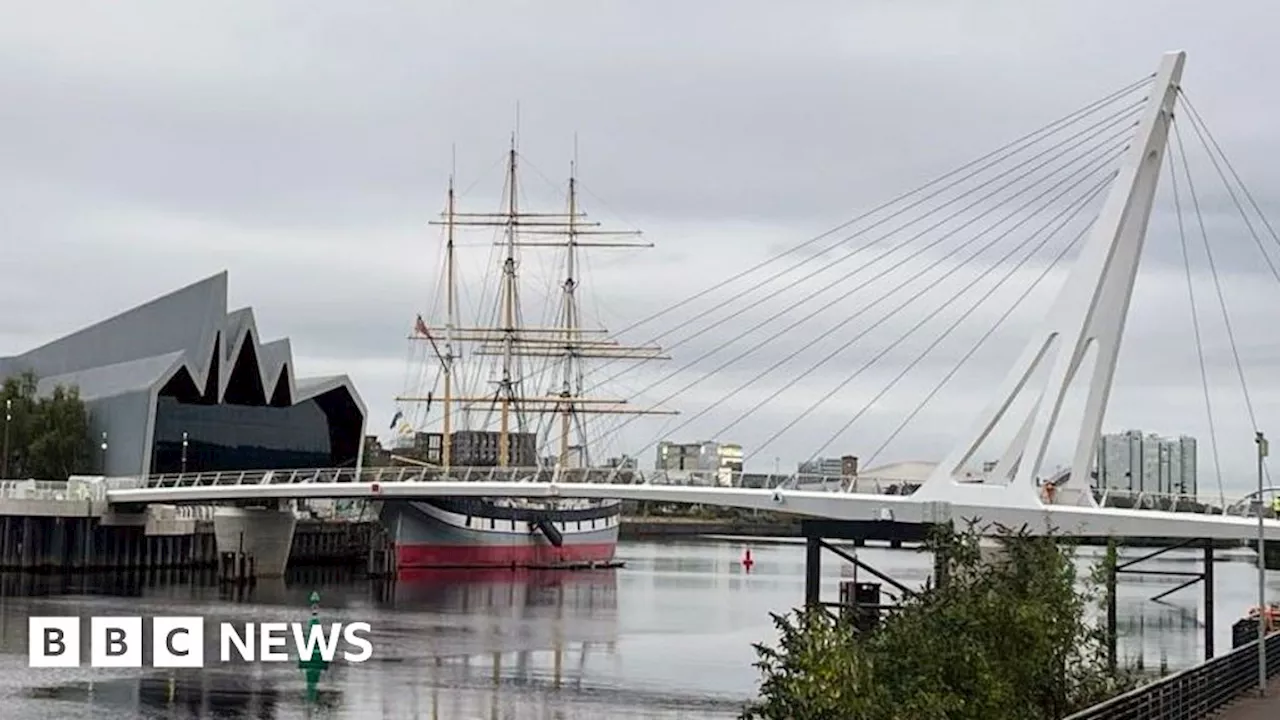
{"type": "Point", "coordinates": [241, 437]}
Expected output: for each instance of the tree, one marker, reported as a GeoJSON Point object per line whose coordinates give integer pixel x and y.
{"type": "Point", "coordinates": [1007, 636]}
{"type": "Point", "coordinates": [19, 396]}
{"type": "Point", "coordinates": [60, 443]}
{"type": "Point", "coordinates": [48, 437]}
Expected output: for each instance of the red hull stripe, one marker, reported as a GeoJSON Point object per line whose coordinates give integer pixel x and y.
{"type": "Point", "coordinates": [460, 556]}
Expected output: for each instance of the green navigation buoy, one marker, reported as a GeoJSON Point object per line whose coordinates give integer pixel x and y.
{"type": "Point", "coordinates": [312, 664]}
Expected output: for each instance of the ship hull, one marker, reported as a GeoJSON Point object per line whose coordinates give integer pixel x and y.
{"type": "Point", "coordinates": [488, 533]}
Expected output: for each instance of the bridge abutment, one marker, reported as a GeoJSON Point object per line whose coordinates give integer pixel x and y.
{"type": "Point", "coordinates": [264, 534]}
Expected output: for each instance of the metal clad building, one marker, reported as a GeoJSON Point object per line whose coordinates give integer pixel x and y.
{"type": "Point", "coordinates": [181, 369]}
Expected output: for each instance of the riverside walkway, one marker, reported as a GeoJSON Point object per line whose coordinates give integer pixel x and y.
{"type": "Point", "coordinates": [1252, 707]}
{"type": "Point", "coordinates": [1225, 688]}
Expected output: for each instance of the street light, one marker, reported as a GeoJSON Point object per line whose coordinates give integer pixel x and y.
{"type": "Point", "coordinates": [1261, 441]}
{"type": "Point", "coordinates": [184, 452]}
{"type": "Point", "coordinates": [104, 452]}
{"type": "Point", "coordinates": [8, 415]}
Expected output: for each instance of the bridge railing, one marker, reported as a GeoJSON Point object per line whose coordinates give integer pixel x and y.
{"type": "Point", "coordinates": [861, 484]}
{"type": "Point", "coordinates": [1181, 502]}
{"type": "Point", "coordinates": [621, 476]}
{"type": "Point", "coordinates": [1193, 693]}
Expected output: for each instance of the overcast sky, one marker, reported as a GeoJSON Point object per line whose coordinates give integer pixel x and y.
{"type": "Point", "coordinates": [304, 147]}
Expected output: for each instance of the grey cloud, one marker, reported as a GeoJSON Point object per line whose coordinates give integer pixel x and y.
{"type": "Point", "coordinates": [150, 145]}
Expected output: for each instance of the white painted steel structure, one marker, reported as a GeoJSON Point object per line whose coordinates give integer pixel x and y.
{"type": "Point", "coordinates": [863, 498]}
{"type": "Point", "coordinates": [1089, 315]}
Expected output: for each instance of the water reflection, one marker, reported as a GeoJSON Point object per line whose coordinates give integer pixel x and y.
{"type": "Point", "coordinates": [668, 636]}
{"type": "Point", "coordinates": [487, 592]}
{"type": "Point", "coordinates": [184, 693]}
{"type": "Point", "coordinates": [448, 644]}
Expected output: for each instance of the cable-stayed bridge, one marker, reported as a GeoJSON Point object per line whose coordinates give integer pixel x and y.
{"type": "Point", "coordinates": [1085, 182]}
{"type": "Point", "coordinates": [866, 499]}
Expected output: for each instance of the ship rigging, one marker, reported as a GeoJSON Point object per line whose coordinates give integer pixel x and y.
{"type": "Point", "coordinates": [510, 345]}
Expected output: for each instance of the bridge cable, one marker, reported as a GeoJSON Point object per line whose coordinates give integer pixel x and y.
{"type": "Point", "coordinates": [1109, 149]}
{"type": "Point", "coordinates": [1217, 283]}
{"type": "Point", "coordinates": [1195, 325]}
{"type": "Point", "coordinates": [1089, 132]}
{"type": "Point", "coordinates": [917, 296]}
{"type": "Point", "coordinates": [1235, 351]}
{"type": "Point", "coordinates": [1211, 144]}
{"type": "Point", "coordinates": [1112, 152]}
{"type": "Point", "coordinates": [1070, 117]}
{"type": "Point", "coordinates": [900, 286]}
{"type": "Point", "coordinates": [1080, 205]}
{"type": "Point", "coordinates": [752, 287]}
{"type": "Point", "coordinates": [977, 345]}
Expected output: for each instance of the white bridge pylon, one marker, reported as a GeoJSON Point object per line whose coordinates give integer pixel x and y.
{"type": "Point", "coordinates": [1088, 314]}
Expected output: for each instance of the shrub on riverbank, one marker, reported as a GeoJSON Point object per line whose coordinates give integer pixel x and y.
{"type": "Point", "coordinates": [1009, 636]}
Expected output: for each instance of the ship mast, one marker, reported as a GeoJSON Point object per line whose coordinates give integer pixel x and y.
{"type": "Point", "coordinates": [570, 311]}
{"type": "Point", "coordinates": [510, 342]}
{"type": "Point", "coordinates": [509, 300]}
{"type": "Point", "coordinates": [446, 444]}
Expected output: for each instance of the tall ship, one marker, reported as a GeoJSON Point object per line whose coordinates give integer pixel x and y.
{"type": "Point", "coordinates": [507, 400]}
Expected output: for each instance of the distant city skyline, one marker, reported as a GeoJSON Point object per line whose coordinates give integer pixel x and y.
{"type": "Point", "coordinates": [1139, 461]}
{"type": "Point", "coordinates": [1133, 460]}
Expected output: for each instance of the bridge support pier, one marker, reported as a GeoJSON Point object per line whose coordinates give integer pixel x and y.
{"type": "Point", "coordinates": [817, 532]}
{"type": "Point", "coordinates": [263, 534]}
{"type": "Point", "coordinates": [812, 571]}
{"type": "Point", "coordinates": [1208, 599]}
{"type": "Point", "coordinates": [1205, 576]}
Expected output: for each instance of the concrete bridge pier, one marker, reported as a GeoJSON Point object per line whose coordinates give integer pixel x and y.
{"type": "Point", "coordinates": [264, 534]}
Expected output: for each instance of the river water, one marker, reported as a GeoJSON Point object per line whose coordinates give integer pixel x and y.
{"type": "Point", "coordinates": [667, 636]}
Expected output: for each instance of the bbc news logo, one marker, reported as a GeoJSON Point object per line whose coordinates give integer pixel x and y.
{"type": "Point", "coordinates": [178, 642]}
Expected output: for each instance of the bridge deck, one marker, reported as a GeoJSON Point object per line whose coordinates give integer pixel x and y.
{"type": "Point", "coordinates": [1252, 707]}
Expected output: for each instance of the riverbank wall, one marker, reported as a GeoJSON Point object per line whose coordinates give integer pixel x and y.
{"type": "Point", "coordinates": [128, 543]}
{"type": "Point", "coordinates": [648, 528]}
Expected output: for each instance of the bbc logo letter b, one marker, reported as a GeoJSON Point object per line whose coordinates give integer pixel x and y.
{"type": "Point", "coordinates": [53, 642]}
{"type": "Point", "coordinates": [115, 642]}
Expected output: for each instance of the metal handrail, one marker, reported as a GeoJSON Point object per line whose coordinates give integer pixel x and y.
{"type": "Point", "coordinates": [621, 476]}
{"type": "Point", "coordinates": [1173, 502]}
{"type": "Point", "coordinates": [97, 486]}
{"type": "Point", "coordinates": [1192, 693]}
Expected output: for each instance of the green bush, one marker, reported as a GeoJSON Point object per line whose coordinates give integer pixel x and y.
{"type": "Point", "coordinates": [1008, 636]}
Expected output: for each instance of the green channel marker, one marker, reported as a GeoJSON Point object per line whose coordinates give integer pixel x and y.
{"type": "Point", "coordinates": [313, 663]}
